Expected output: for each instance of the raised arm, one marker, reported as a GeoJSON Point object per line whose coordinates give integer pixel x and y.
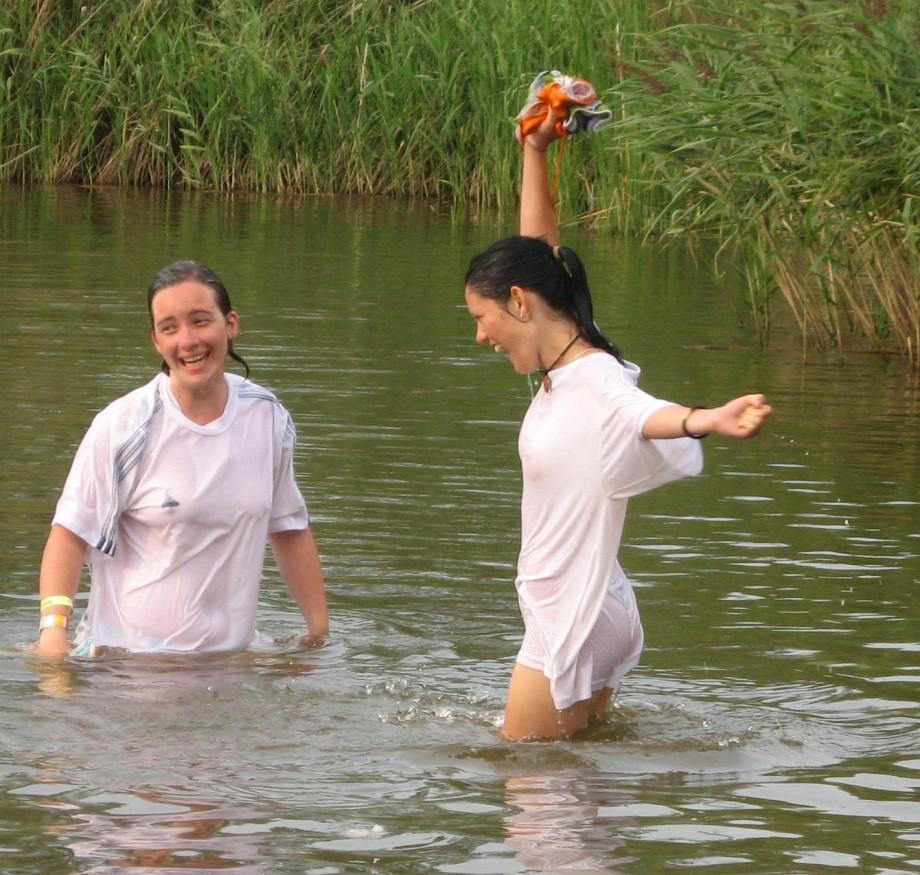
{"type": "Point", "coordinates": [538, 211]}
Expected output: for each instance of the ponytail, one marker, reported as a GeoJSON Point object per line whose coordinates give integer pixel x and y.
{"type": "Point", "coordinates": [582, 310]}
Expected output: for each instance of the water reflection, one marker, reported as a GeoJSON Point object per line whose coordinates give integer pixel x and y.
{"type": "Point", "coordinates": [778, 689]}
{"type": "Point", "coordinates": [153, 830]}
{"type": "Point", "coordinates": [556, 825]}
{"type": "Point", "coordinates": [151, 676]}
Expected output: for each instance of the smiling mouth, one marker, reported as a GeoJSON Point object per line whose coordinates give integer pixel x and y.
{"type": "Point", "coordinates": [194, 359]}
{"type": "Point", "coordinates": [498, 347]}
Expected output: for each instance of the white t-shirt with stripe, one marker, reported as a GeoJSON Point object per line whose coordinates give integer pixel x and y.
{"type": "Point", "coordinates": [192, 527]}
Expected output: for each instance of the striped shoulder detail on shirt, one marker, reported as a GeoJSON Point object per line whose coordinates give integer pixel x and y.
{"type": "Point", "coordinates": [124, 461]}
{"type": "Point", "coordinates": [250, 390]}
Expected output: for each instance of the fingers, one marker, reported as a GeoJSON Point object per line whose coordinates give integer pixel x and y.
{"type": "Point", "coordinates": [311, 642]}
{"type": "Point", "coordinates": [751, 419]}
{"type": "Point", "coordinates": [541, 138]}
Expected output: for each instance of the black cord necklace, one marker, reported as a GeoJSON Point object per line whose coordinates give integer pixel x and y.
{"type": "Point", "coordinates": [547, 383]}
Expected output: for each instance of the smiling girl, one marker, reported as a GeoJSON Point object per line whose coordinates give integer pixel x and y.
{"type": "Point", "coordinates": [590, 440]}
{"type": "Point", "coordinates": [173, 493]}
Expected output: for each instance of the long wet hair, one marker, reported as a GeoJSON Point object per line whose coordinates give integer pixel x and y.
{"type": "Point", "coordinates": [555, 273]}
{"type": "Point", "coordinates": [193, 271]}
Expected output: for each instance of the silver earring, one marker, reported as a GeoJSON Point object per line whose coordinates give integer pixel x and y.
{"type": "Point", "coordinates": [525, 316]}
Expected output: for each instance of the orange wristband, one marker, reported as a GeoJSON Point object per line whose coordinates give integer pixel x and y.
{"type": "Point", "coordinates": [50, 620]}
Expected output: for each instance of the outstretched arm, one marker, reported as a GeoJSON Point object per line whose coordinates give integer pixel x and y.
{"type": "Point", "coordinates": [740, 418]}
{"type": "Point", "coordinates": [298, 561]}
{"type": "Point", "coordinates": [538, 211]}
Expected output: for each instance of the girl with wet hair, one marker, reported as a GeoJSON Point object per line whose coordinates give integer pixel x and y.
{"type": "Point", "coordinates": [590, 440]}
{"type": "Point", "coordinates": [183, 271]}
{"type": "Point", "coordinates": [174, 492]}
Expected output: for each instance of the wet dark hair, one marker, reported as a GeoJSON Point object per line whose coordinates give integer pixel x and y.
{"type": "Point", "coordinates": [556, 274]}
{"type": "Point", "coordinates": [185, 271]}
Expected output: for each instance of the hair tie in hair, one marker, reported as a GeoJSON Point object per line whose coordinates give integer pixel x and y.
{"type": "Point", "coordinates": [557, 254]}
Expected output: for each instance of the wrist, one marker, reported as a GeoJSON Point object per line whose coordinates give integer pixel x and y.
{"type": "Point", "coordinates": [318, 623]}
{"type": "Point", "coordinates": [695, 423]}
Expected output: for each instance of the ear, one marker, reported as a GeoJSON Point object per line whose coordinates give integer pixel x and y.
{"type": "Point", "coordinates": [153, 340]}
{"type": "Point", "coordinates": [233, 324]}
{"type": "Point", "coordinates": [517, 298]}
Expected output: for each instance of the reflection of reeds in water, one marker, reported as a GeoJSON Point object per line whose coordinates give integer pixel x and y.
{"type": "Point", "coordinates": [777, 128]}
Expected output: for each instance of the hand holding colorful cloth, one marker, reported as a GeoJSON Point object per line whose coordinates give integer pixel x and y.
{"type": "Point", "coordinates": [574, 102]}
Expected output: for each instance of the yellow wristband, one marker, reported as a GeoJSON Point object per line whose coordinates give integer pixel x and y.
{"type": "Point", "coordinates": [52, 620]}
{"type": "Point", "coordinates": [57, 601]}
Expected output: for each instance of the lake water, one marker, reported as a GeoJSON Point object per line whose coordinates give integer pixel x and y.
{"type": "Point", "coordinates": [772, 726]}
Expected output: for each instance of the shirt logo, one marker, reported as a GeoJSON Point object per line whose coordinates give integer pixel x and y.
{"type": "Point", "coordinates": [169, 501]}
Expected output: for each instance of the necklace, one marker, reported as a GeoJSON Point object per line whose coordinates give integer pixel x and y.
{"type": "Point", "coordinates": [547, 383]}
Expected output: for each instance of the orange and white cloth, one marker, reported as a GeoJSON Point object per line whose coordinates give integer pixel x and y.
{"type": "Point", "coordinates": [574, 101]}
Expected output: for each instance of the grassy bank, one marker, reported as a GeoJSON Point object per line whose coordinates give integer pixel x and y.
{"type": "Point", "coordinates": [788, 130]}
{"type": "Point", "coordinates": [791, 131]}
{"type": "Point", "coordinates": [395, 98]}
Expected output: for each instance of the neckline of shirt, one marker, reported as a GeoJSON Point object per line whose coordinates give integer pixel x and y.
{"type": "Point", "coordinates": [216, 426]}
{"type": "Point", "coordinates": [561, 371]}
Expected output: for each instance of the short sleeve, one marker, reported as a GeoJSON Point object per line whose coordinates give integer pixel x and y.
{"type": "Point", "coordinates": [85, 495]}
{"type": "Point", "coordinates": [633, 464]}
{"type": "Point", "coordinates": [289, 510]}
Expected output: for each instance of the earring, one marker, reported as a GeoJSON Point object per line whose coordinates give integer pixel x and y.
{"type": "Point", "coordinates": [525, 316]}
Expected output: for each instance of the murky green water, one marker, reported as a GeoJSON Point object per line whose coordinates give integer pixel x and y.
{"type": "Point", "coordinates": [772, 726]}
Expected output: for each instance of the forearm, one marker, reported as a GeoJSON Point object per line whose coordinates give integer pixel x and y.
{"type": "Point", "coordinates": [538, 212]}
{"type": "Point", "coordinates": [62, 564]}
{"type": "Point", "coordinates": [668, 422]}
{"type": "Point", "coordinates": [298, 561]}
{"type": "Point", "coordinates": [741, 418]}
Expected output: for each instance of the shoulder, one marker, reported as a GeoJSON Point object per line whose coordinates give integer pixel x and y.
{"type": "Point", "coordinates": [616, 378]}
{"type": "Point", "coordinates": [260, 401]}
{"type": "Point", "coordinates": [602, 374]}
{"type": "Point", "coordinates": [615, 389]}
{"type": "Point", "coordinates": [253, 396]}
{"type": "Point", "coordinates": [624, 373]}
{"type": "Point", "coordinates": [250, 391]}
{"type": "Point", "coordinates": [132, 408]}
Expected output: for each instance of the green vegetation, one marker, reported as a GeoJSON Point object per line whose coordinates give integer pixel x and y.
{"type": "Point", "coordinates": [322, 96]}
{"type": "Point", "coordinates": [791, 132]}
{"type": "Point", "coordinates": [787, 130]}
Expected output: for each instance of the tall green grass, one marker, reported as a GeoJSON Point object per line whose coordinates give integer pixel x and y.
{"type": "Point", "coordinates": [788, 129]}
{"type": "Point", "coordinates": [791, 131]}
{"type": "Point", "coordinates": [409, 99]}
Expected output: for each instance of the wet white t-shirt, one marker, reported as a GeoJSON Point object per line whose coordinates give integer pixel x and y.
{"type": "Point", "coordinates": [582, 456]}
{"type": "Point", "coordinates": [191, 535]}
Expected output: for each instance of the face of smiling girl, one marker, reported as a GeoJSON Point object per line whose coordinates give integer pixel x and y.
{"type": "Point", "coordinates": [192, 335]}
{"type": "Point", "coordinates": [498, 327]}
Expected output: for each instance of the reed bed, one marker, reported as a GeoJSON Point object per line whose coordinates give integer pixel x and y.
{"type": "Point", "coordinates": [786, 130]}
{"type": "Point", "coordinates": [410, 99]}
{"type": "Point", "coordinates": [791, 132]}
